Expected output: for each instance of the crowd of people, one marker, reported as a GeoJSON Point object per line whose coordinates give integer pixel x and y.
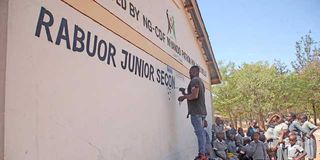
{"type": "Point", "coordinates": [287, 137]}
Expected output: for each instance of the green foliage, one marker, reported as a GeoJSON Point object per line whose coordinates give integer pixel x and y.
{"type": "Point", "coordinates": [310, 77]}
{"type": "Point", "coordinates": [248, 90]}
{"type": "Point", "coordinates": [255, 90]}
{"type": "Point", "coordinates": [307, 66]}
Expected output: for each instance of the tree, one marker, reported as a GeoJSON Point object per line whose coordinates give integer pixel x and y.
{"type": "Point", "coordinates": [281, 67]}
{"type": "Point", "coordinates": [307, 50]}
{"type": "Point", "coordinates": [307, 67]}
{"type": "Point", "coordinates": [256, 82]}
{"type": "Point", "coordinates": [247, 91]}
{"type": "Point", "coordinates": [255, 90]}
{"type": "Point", "coordinates": [225, 95]}
{"type": "Point", "coordinates": [310, 76]}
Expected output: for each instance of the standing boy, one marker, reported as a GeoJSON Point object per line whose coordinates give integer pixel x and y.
{"type": "Point", "coordinates": [258, 150]}
{"type": "Point", "coordinates": [295, 151]}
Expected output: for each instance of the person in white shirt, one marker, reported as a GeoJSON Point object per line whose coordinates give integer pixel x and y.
{"type": "Point", "coordinates": [295, 151]}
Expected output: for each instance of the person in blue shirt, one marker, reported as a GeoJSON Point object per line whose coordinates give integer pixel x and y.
{"type": "Point", "coordinates": [252, 128]}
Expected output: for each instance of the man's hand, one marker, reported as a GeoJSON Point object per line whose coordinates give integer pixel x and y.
{"type": "Point", "coordinates": [181, 98]}
{"type": "Point", "coordinates": [182, 90]}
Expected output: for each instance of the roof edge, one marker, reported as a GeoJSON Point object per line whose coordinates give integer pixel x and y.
{"type": "Point", "coordinates": [192, 8]}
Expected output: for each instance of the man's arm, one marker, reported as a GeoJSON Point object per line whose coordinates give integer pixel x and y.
{"type": "Point", "coordinates": [193, 95]}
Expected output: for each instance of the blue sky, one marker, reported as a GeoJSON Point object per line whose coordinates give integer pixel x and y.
{"type": "Point", "coordinates": [259, 30]}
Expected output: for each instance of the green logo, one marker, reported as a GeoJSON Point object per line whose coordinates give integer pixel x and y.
{"type": "Point", "coordinates": [171, 26]}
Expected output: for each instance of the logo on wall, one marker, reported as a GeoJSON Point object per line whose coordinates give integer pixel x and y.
{"type": "Point", "coordinates": [171, 27]}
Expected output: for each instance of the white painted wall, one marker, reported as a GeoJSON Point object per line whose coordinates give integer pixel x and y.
{"type": "Point", "coordinates": [3, 53]}
{"type": "Point", "coordinates": [155, 11]}
{"type": "Point", "coordinates": [63, 105]}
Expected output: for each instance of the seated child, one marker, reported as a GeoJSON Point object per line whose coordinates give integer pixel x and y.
{"type": "Point", "coordinates": [245, 149]}
{"type": "Point", "coordinates": [231, 147]}
{"type": "Point", "coordinates": [220, 147]}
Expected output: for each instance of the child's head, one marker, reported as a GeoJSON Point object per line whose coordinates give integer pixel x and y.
{"type": "Point", "coordinates": [256, 136]}
{"type": "Point", "coordinates": [291, 116]}
{"type": "Point", "coordinates": [253, 123]}
{"type": "Point", "coordinates": [231, 137]}
{"type": "Point", "coordinates": [303, 118]}
{"type": "Point", "coordinates": [246, 140]}
{"type": "Point", "coordinates": [220, 135]}
{"type": "Point", "coordinates": [292, 139]}
{"type": "Point", "coordinates": [218, 120]}
{"type": "Point", "coordinates": [291, 133]}
{"type": "Point", "coordinates": [274, 120]}
{"type": "Point", "coordinates": [240, 131]}
{"type": "Point", "coordinates": [262, 138]}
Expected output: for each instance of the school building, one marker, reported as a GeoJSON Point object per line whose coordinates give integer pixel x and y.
{"type": "Point", "coordinates": [99, 79]}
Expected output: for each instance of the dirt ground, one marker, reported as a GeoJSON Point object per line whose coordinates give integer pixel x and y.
{"type": "Point", "coordinates": [317, 135]}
